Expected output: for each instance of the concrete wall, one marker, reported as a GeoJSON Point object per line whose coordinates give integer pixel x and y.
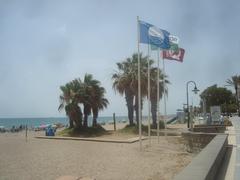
{"type": "Point", "coordinates": [206, 164]}
{"type": "Point", "coordinates": [209, 128]}
{"type": "Point", "coordinates": [196, 141]}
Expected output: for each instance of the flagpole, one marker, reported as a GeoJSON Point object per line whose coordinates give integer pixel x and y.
{"type": "Point", "coordinates": [164, 95]}
{"type": "Point", "coordinates": [149, 105]}
{"type": "Point", "coordinates": [158, 112]}
{"type": "Point", "coordinates": [26, 129]}
{"type": "Point", "coordinates": [139, 88]}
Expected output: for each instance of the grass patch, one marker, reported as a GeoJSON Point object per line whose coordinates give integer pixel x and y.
{"type": "Point", "coordinates": [83, 132]}
{"type": "Point", "coordinates": [130, 129]}
{"type": "Point", "coordinates": [133, 129]}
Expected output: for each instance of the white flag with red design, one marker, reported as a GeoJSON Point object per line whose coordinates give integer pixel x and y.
{"type": "Point", "coordinates": [173, 55]}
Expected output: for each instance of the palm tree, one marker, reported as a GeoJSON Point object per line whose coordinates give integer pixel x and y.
{"type": "Point", "coordinates": [98, 102]}
{"type": "Point", "coordinates": [65, 102]}
{"type": "Point", "coordinates": [69, 101]}
{"type": "Point", "coordinates": [87, 87]}
{"type": "Point", "coordinates": [89, 93]}
{"type": "Point", "coordinates": [144, 79]}
{"type": "Point", "coordinates": [125, 81]}
{"type": "Point", "coordinates": [235, 81]}
{"type": "Point", "coordinates": [122, 84]}
{"type": "Point", "coordinates": [153, 92]}
{"type": "Point", "coordinates": [93, 98]}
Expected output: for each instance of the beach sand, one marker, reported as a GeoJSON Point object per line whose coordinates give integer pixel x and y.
{"type": "Point", "coordinates": [42, 159]}
{"type": "Point", "coordinates": [119, 125]}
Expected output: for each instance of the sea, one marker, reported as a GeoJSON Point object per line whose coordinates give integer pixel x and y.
{"type": "Point", "coordinates": [35, 122]}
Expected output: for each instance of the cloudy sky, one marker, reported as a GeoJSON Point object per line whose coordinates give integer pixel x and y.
{"type": "Point", "coordinates": [45, 44]}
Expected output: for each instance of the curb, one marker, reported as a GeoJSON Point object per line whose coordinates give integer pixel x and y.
{"type": "Point", "coordinates": [130, 140]}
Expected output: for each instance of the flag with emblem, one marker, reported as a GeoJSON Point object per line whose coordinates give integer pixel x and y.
{"type": "Point", "coordinates": [150, 34]}
{"type": "Point", "coordinates": [172, 55]}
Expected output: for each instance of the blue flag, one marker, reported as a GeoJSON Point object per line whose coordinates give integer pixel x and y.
{"type": "Point", "coordinates": [150, 34]}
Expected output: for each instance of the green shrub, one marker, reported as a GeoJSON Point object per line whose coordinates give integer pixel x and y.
{"type": "Point", "coordinates": [129, 129]}
{"type": "Point", "coordinates": [161, 125]}
{"type": "Point", "coordinates": [134, 129]}
{"type": "Point", "coordinates": [83, 131]}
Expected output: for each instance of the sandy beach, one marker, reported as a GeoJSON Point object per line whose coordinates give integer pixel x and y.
{"type": "Point", "coordinates": [43, 159]}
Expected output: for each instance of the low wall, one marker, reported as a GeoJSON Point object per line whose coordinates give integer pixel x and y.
{"type": "Point", "coordinates": [206, 164]}
{"type": "Point", "coordinates": [209, 128]}
{"type": "Point", "coordinates": [163, 132]}
{"type": "Point", "coordinates": [196, 141]}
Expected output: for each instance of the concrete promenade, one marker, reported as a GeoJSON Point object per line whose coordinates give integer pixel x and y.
{"type": "Point", "coordinates": [233, 169]}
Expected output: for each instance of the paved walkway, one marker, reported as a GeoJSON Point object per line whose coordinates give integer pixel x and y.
{"type": "Point", "coordinates": [233, 171]}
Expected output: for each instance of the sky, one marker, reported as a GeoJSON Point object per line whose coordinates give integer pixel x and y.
{"type": "Point", "coordinates": [45, 44]}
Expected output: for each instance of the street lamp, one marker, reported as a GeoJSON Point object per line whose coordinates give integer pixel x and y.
{"type": "Point", "coordinates": [195, 90]}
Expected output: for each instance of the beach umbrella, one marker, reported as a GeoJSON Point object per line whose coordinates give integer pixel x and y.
{"type": "Point", "coordinates": [43, 126]}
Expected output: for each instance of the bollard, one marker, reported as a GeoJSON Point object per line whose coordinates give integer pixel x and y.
{"type": "Point", "coordinates": [26, 134]}
{"type": "Point", "coordinates": [114, 122]}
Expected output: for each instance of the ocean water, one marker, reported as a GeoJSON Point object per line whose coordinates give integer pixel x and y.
{"type": "Point", "coordinates": [33, 122]}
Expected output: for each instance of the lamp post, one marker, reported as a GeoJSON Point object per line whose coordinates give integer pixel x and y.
{"type": "Point", "coordinates": [238, 97]}
{"type": "Point", "coordinates": [195, 90]}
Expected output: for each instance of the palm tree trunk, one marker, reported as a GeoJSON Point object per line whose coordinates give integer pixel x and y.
{"type": "Point", "coordinates": [70, 115]}
{"type": "Point", "coordinates": [154, 112]}
{"type": "Point", "coordinates": [87, 112]}
{"type": "Point", "coordinates": [95, 116]}
{"type": "Point", "coordinates": [78, 117]}
{"type": "Point", "coordinates": [130, 114]}
{"type": "Point", "coordinates": [85, 120]}
{"type": "Point", "coordinates": [70, 122]}
{"type": "Point", "coordinates": [129, 99]}
{"type": "Point", "coordinates": [136, 108]}
{"type": "Point", "coordinates": [94, 123]}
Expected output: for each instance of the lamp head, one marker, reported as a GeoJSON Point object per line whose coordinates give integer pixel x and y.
{"type": "Point", "coordinates": [195, 90]}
